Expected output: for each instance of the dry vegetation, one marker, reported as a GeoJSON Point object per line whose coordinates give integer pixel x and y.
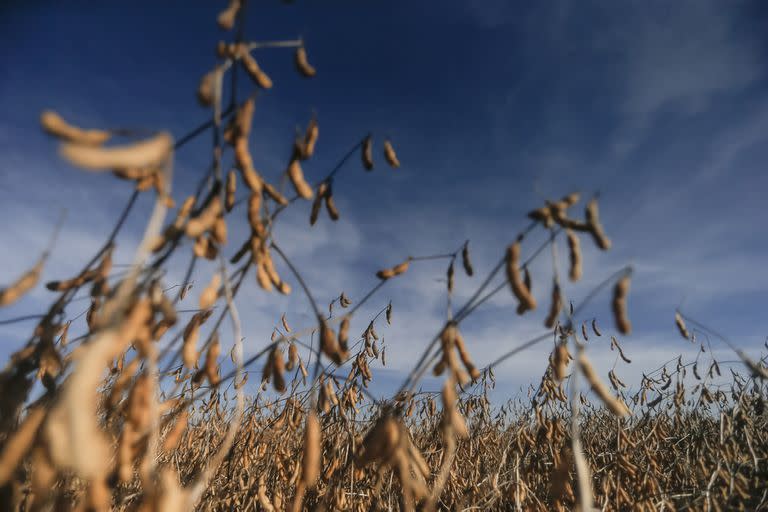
{"type": "Point", "coordinates": [138, 412]}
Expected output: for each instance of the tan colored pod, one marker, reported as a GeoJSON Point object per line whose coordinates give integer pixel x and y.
{"type": "Point", "coordinates": [329, 344]}
{"type": "Point", "coordinates": [244, 118]}
{"type": "Point", "coordinates": [55, 125]}
{"type": "Point", "coordinates": [284, 321]}
{"type": "Point", "coordinates": [262, 277]}
{"type": "Point", "coordinates": [211, 292]}
{"type": "Point", "coordinates": [293, 357]}
{"type": "Point", "coordinates": [571, 199]}
{"type": "Point", "coordinates": [231, 188]}
{"type": "Point", "coordinates": [519, 289]}
{"type": "Point", "coordinates": [595, 227]}
{"type": "Point", "coordinates": [310, 465]}
{"type": "Point", "coordinates": [310, 137]}
{"type": "Point", "coordinates": [226, 50]}
{"type": "Point", "coordinates": [296, 175]}
{"type": "Point", "coordinates": [275, 195]}
{"type": "Point", "coordinates": [207, 87]}
{"type": "Point", "coordinates": [200, 247]}
{"type": "Point", "coordinates": [18, 444]}
{"type": "Point", "coordinates": [211, 367]}
{"type": "Point", "coordinates": [521, 308]}
{"type": "Point", "coordinates": [174, 435]}
{"type": "Point", "coordinates": [251, 177]}
{"type": "Point", "coordinates": [560, 362]}
{"type": "Point", "coordinates": [283, 287]}
{"type": "Point", "coordinates": [680, 323]}
{"type": "Point", "coordinates": [302, 65]}
{"type": "Point", "coordinates": [184, 211]}
{"type": "Point", "coordinates": [205, 219]}
{"type": "Point", "coordinates": [574, 254]}
{"type": "Point", "coordinates": [75, 282]}
{"type": "Point", "coordinates": [330, 205]}
{"type": "Point", "coordinates": [466, 360]}
{"type": "Point", "coordinates": [255, 72]}
{"type": "Point", "coordinates": [344, 334]}
{"type": "Point", "coordinates": [402, 267]}
{"type": "Point", "coordinates": [366, 153]}
{"type": "Point", "coordinates": [543, 215]}
{"type": "Point", "coordinates": [145, 183]}
{"type": "Point", "coordinates": [619, 305]}
{"type": "Point", "coordinates": [615, 405]}
{"type": "Point", "coordinates": [269, 266]}
{"type": "Point", "coordinates": [390, 156]}
{"type": "Point", "coordinates": [388, 273]}
{"type": "Point", "coordinates": [148, 153]}
{"type": "Point", "coordinates": [219, 231]}
{"type": "Point", "coordinates": [317, 203]}
{"type": "Point", "coordinates": [254, 213]}
{"type": "Point", "coordinates": [277, 364]}
{"type": "Point", "coordinates": [227, 17]}
{"type": "Point", "coordinates": [22, 285]}
{"type": "Point", "coordinates": [189, 347]}
{"type": "Point", "coordinates": [555, 307]}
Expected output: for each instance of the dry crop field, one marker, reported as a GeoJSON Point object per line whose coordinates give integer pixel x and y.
{"type": "Point", "coordinates": [151, 411]}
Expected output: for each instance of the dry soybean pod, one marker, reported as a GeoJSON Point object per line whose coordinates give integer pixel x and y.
{"type": "Point", "coordinates": [275, 195]}
{"type": "Point", "coordinates": [366, 153]}
{"type": "Point", "coordinates": [22, 285]}
{"type": "Point", "coordinates": [329, 343]}
{"type": "Point", "coordinates": [253, 69]}
{"type": "Point", "coordinates": [312, 451]}
{"type": "Point", "coordinates": [205, 219]}
{"type": "Point", "coordinates": [555, 306]}
{"type": "Point", "coordinates": [465, 261]}
{"type": "Point", "coordinates": [519, 289]}
{"type": "Point", "coordinates": [344, 333]}
{"type": "Point", "coordinates": [227, 17]}
{"type": "Point", "coordinates": [211, 292]}
{"type": "Point", "coordinates": [296, 175]}
{"type": "Point", "coordinates": [317, 203]}
{"type": "Point", "coordinates": [615, 405]}
{"type": "Point", "coordinates": [402, 267]}
{"type": "Point", "coordinates": [388, 273]}
{"type": "Point", "coordinates": [680, 323]}
{"type": "Point", "coordinates": [390, 156]}
{"type": "Point", "coordinates": [231, 188]}
{"type": "Point", "coordinates": [147, 153]}
{"type": "Point", "coordinates": [207, 86]}
{"type": "Point", "coordinates": [330, 204]}
{"type": "Point", "coordinates": [211, 367]}
{"type": "Point", "coordinates": [574, 254]}
{"type": "Point", "coordinates": [303, 66]}
{"type": "Point", "coordinates": [521, 309]}
{"type": "Point", "coordinates": [55, 125]}
{"type": "Point", "coordinates": [619, 305]}
{"type": "Point", "coordinates": [560, 362]}
{"type": "Point", "coordinates": [310, 137]}
{"type": "Point", "coordinates": [595, 228]}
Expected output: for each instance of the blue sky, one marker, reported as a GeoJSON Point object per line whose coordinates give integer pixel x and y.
{"type": "Point", "coordinates": [493, 106]}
